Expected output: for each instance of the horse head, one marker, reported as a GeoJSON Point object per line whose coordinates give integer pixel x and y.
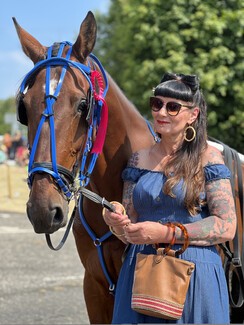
{"type": "Point", "coordinates": [56, 103]}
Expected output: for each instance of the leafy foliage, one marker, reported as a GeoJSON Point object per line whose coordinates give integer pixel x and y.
{"type": "Point", "coordinates": [6, 106]}
{"type": "Point", "coordinates": [139, 40]}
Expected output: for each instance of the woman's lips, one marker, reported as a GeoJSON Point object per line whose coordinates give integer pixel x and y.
{"type": "Point", "coordinates": [162, 122]}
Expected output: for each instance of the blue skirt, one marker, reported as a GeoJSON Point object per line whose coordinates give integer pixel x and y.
{"type": "Point", "coordinates": [207, 300]}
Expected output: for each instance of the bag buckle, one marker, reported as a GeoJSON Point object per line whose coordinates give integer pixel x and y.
{"type": "Point", "coordinates": [190, 270]}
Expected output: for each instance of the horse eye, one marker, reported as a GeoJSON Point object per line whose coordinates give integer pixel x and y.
{"type": "Point", "coordinates": [82, 106]}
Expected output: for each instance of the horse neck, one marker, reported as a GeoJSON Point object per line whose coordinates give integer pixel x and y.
{"type": "Point", "coordinates": [127, 132]}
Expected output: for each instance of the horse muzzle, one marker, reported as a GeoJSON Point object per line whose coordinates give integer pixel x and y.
{"type": "Point", "coordinates": [45, 220]}
{"type": "Point", "coordinates": [47, 208]}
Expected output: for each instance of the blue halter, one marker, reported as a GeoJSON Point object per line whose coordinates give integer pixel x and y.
{"type": "Point", "coordinates": [52, 168]}
{"type": "Point", "coordinates": [61, 174]}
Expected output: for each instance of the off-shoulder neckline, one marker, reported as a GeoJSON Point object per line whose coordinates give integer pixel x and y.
{"type": "Point", "coordinates": [161, 172]}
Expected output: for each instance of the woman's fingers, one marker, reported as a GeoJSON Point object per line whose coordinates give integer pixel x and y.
{"type": "Point", "coordinates": [117, 218]}
{"type": "Point", "coordinates": [119, 208]}
{"type": "Point", "coordinates": [141, 232]}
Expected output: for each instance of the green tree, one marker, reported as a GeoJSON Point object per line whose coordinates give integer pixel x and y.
{"type": "Point", "coordinates": [6, 106]}
{"type": "Point", "coordinates": [139, 40]}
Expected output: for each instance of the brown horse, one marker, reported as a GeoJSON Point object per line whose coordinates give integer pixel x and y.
{"type": "Point", "coordinates": [60, 99]}
{"type": "Point", "coordinates": [127, 131]}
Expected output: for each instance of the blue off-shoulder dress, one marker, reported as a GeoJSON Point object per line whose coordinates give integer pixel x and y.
{"type": "Point", "coordinates": [207, 299]}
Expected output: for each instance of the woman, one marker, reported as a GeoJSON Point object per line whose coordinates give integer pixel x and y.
{"type": "Point", "coordinates": [181, 179]}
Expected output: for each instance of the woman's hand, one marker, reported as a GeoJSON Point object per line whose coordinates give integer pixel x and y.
{"type": "Point", "coordinates": [147, 232]}
{"type": "Point", "coordinates": [118, 218]}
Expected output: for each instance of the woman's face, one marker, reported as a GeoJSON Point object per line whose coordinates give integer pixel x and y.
{"type": "Point", "coordinates": [173, 126]}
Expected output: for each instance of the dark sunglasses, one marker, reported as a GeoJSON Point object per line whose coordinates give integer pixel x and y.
{"type": "Point", "coordinates": [172, 108]}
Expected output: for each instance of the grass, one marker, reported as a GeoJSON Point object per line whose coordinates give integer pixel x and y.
{"type": "Point", "coordinates": [14, 189]}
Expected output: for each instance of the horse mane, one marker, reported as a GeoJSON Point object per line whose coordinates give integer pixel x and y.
{"type": "Point", "coordinates": [122, 97]}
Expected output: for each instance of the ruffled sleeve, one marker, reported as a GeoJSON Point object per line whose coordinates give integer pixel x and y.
{"type": "Point", "coordinates": [216, 172]}
{"type": "Point", "coordinates": [132, 174]}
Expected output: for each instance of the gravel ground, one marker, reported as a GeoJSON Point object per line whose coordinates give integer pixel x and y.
{"type": "Point", "coordinates": [38, 286]}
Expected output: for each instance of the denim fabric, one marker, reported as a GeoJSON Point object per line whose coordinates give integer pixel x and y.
{"type": "Point", "coordinates": [207, 299]}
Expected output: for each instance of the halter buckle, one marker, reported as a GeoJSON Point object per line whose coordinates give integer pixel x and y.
{"type": "Point", "coordinates": [236, 261]}
{"type": "Point", "coordinates": [47, 115]}
{"type": "Point", "coordinates": [97, 242]}
{"type": "Point", "coordinates": [112, 289]}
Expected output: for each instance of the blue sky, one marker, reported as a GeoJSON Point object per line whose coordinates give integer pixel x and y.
{"type": "Point", "coordinates": [48, 21]}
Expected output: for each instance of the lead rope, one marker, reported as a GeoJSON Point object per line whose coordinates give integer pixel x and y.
{"type": "Point", "coordinates": [98, 244]}
{"type": "Point", "coordinates": [63, 240]}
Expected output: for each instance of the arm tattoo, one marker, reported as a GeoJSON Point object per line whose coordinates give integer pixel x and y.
{"type": "Point", "coordinates": [128, 200]}
{"type": "Point", "coordinates": [128, 190]}
{"type": "Point", "coordinates": [133, 162]}
{"type": "Point", "coordinates": [222, 220]}
{"type": "Point", "coordinates": [215, 157]}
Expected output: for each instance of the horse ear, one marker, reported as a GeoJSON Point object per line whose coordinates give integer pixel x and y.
{"type": "Point", "coordinates": [31, 47]}
{"type": "Point", "coordinates": [87, 37]}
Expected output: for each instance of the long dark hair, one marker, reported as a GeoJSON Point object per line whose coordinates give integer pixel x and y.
{"type": "Point", "coordinates": [186, 162]}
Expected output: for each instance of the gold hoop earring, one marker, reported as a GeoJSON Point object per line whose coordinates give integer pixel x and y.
{"type": "Point", "coordinates": [193, 133]}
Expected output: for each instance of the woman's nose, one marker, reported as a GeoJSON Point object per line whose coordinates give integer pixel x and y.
{"type": "Point", "coordinates": [163, 111]}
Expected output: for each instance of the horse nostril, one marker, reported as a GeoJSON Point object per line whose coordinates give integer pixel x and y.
{"type": "Point", "coordinates": [58, 216]}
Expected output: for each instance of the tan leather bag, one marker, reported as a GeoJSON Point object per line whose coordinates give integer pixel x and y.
{"type": "Point", "coordinates": [161, 281]}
